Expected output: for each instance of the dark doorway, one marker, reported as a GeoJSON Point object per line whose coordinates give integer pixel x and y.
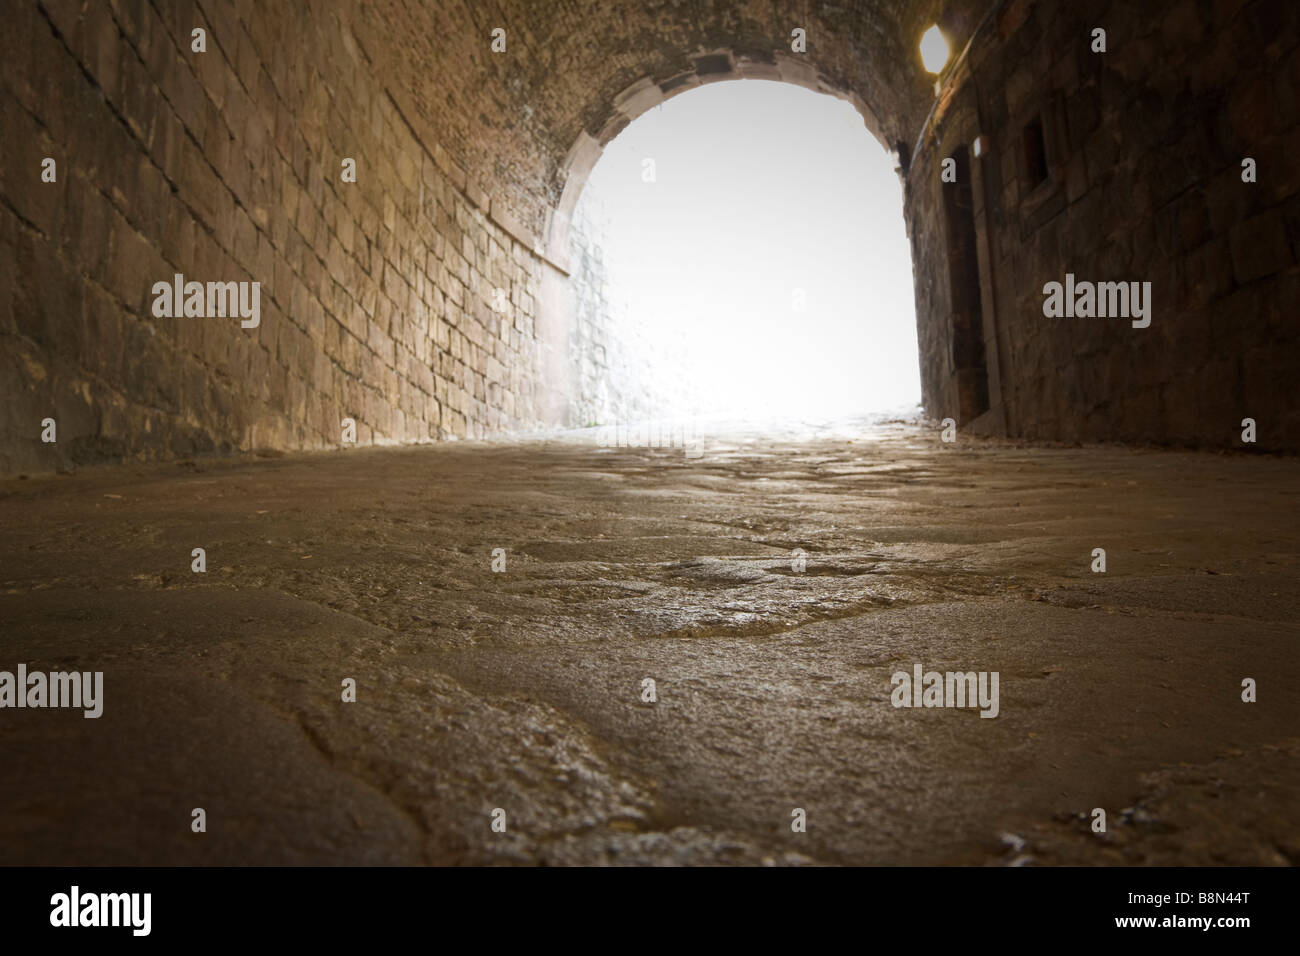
{"type": "Point", "coordinates": [967, 340]}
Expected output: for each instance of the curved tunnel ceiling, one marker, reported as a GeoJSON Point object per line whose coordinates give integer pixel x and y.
{"type": "Point", "coordinates": [575, 73]}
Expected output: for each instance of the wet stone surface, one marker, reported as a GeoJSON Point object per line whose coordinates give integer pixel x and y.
{"type": "Point", "coordinates": [522, 690]}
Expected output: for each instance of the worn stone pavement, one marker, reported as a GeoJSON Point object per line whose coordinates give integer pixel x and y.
{"type": "Point", "coordinates": [522, 690]}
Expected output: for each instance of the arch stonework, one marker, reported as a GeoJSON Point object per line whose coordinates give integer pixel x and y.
{"type": "Point", "coordinates": [647, 93]}
{"type": "Point", "coordinates": [589, 67]}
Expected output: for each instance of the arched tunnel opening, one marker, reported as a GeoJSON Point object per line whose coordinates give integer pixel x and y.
{"type": "Point", "coordinates": [739, 253]}
{"type": "Point", "coordinates": [330, 536]}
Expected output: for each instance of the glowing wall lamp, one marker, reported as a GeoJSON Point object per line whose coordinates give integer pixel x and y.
{"type": "Point", "coordinates": [934, 50]}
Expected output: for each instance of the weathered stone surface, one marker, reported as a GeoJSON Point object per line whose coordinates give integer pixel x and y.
{"type": "Point", "coordinates": [225, 166]}
{"type": "Point", "coordinates": [522, 689]}
{"type": "Point", "coordinates": [1144, 183]}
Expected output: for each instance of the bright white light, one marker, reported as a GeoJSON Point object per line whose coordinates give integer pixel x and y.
{"type": "Point", "coordinates": [769, 256]}
{"type": "Point", "coordinates": [934, 50]}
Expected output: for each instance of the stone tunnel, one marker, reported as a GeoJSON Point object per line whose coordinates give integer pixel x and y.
{"type": "Point", "coordinates": [353, 458]}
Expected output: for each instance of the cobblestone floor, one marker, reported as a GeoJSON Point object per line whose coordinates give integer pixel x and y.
{"type": "Point", "coordinates": [522, 690]}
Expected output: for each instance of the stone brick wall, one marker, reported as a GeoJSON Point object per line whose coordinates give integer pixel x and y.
{"type": "Point", "coordinates": [600, 384]}
{"type": "Point", "coordinates": [620, 372]}
{"type": "Point", "coordinates": [378, 297]}
{"type": "Point", "coordinates": [1143, 149]}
